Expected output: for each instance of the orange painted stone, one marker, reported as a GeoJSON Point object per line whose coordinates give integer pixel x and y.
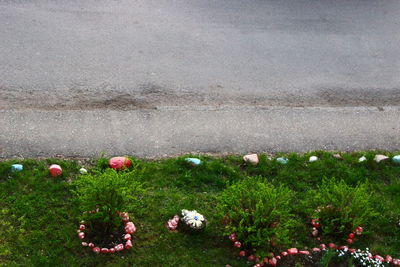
{"type": "Point", "coordinates": [119, 163]}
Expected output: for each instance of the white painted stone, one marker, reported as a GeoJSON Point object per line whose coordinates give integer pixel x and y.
{"type": "Point", "coordinates": [251, 158]}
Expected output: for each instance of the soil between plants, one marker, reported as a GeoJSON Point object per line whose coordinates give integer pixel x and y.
{"type": "Point", "coordinates": [106, 241]}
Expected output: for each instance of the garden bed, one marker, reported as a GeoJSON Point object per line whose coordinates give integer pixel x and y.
{"type": "Point", "coordinates": [38, 214]}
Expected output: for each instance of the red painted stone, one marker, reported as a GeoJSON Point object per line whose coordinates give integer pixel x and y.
{"type": "Point", "coordinates": [82, 227]}
{"type": "Point", "coordinates": [55, 170]}
{"type": "Point", "coordinates": [379, 258]}
{"type": "Point", "coordinates": [292, 251]}
{"type": "Point", "coordinates": [119, 163]}
{"type": "Point", "coordinates": [251, 258]}
{"type": "Point", "coordinates": [351, 236]}
{"type": "Point", "coordinates": [242, 253]}
{"type": "Point", "coordinates": [352, 250]}
{"type": "Point", "coordinates": [315, 223]}
{"type": "Point", "coordinates": [104, 250]}
{"type": "Point", "coordinates": [232, 237]}
{"type": "Point", "coordinates": [96, 250]}
{"type": "Point", "coordinates": [112, 250]}
{"type": "Point", "coordinates": [331, 245]}
{"type": "Point", "coordinates": [91, 245]}
{"type": "Point", "coordinates": [304, 252]}
{"type": "Point", "coordinates": [350, 241]}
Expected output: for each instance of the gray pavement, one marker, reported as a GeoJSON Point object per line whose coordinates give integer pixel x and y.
{"type": "Point", "coordinates": [150, 78]}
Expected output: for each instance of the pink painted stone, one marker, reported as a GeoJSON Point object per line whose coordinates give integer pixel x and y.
{"type": "Point", "coordinates": [237, 244]}
{"type": "Point", "coordinates": [352, 250]}
{"type": "Point", "coordinates": [350, 241]}
{"type": "Point", "coordinates": [316, 249]}
{"type": "Point", "coordinates": [96, 250]}
{"type": "Point", "coordinates": [284, 253]}
{"type": "Point", "coordinates": [388, 259]}
{"type": "Point", "coordinates": [351, 236]}
{"type": "Point", "coordinates": [359, 230]}
{"type": "Point", "coordinates": [242, 253]}
{"type": "Point", "coordinates": [292, 251]}
{"type": "Point", "coordinates": [396, 261]}
{"type": "Point", "coordinates": [251, 258]}
{"type": "Point", "coordinates": [130, 228]}
{"type": "Point", "coordinates": [315, 233]}
{"type": "Point", "coordinates": [127, 237]}
{"type": "Point", "coordinates": [81, 235]}
{"type": "Point", "coordinates": [322, 246]}
{"type": "Point", "coordinates": [128, 244]}
{"type": "Point", "coordinates": [273, 261]}
{"type": "Point", "coordinates": [119, 247]}
{"type": "Point", "coordinates": [91, 245]}
{"type": "Point", "coordinates": [84, 244]}
{"type": "Point", "coordinates": [119, 163]}
{"type": "Point", "coordinates": [232, 237]}
{"type": "Point", "coordinates": [379, 258]}
{"type": "Point", "coordinates": [304, 252]}
{"type": "Point", "coordinates": [82, 227]}
{"type": "Point", "coordinates": [112, 250]}
{"type": "Point", "coordinates": [104, 250]}
{"type": "Point", "coordinates": [343, 248]}
{"type": "Point", "coordinates": [55, 170]}
{"type": "Point", "coordinates": [278, 257]}
{"type": "Point", "coordinates": [331, 245]}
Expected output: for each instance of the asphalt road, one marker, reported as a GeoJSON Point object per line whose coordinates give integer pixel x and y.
{"type": "Point", "coordinates": [151, 78]}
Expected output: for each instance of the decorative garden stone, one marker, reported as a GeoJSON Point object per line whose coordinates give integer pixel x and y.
{"type": "Point", "coordinates": [17, 167]}
{"type": "Point", "coordinates": [313, 158]}
{"type": "Point", "coordinates": [119, 163]}
{"type": "Point", "coordinates": [337, 156]}
{"type": "Point", "coordinates": [55, 170]}
{"type": "Point", "coordinates": [379, 158]}
{"type": "Point", "coordinates": [251, 158]}
{"type": "Point", "coordinates": [282, 160]}
{"type": "Point", "coordinates": [82, 171]}
{"type": "Point", "coordinates": [362, 159]}
{"type": "Point", "coordinates": [396, 159]}
{"type": "Point", "coordinates": [193, 161]}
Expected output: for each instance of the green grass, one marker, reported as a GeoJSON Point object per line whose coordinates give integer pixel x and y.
{"type": "Point", "coordinates": [38, 219]}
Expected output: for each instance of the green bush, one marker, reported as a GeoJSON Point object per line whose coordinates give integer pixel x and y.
{"type": "Point", "coordinates": [340, 208]}
{"type": "Point", "coordinates": [109, 192]}
{"type": "Point", "coordinates": [259, 214]}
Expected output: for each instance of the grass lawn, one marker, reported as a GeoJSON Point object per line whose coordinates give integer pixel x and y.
{"type": "Point", "coordinates": [38, 218]}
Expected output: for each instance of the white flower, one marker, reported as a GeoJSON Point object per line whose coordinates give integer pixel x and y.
{"type": "Point", "coordinates": [194, 219]}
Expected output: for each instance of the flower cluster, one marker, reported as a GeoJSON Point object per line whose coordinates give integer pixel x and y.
{"type": "Point", "coordinates": [365, 258]}
{"type": "Point", "coordinates": [193, 219]}
{"type": "Point", "coordinates": [130, 229]}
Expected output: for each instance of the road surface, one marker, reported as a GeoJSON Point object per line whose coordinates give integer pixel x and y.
{"type": "Point", "coordinates": [151, 78]}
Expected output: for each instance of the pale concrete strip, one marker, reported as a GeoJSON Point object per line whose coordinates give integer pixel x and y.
{"type": "Point", "coordinates": [154, 133]}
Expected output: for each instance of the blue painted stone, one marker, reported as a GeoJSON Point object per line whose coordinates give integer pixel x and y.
{"type": "Point", "coordinates": [282, 160]}
{"type": "Point", "coordinates": [396, 159]}
{"type": "Point", "coordinates": [17, 167]}
{"type": "Point", "coordinates": [193, 161]}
